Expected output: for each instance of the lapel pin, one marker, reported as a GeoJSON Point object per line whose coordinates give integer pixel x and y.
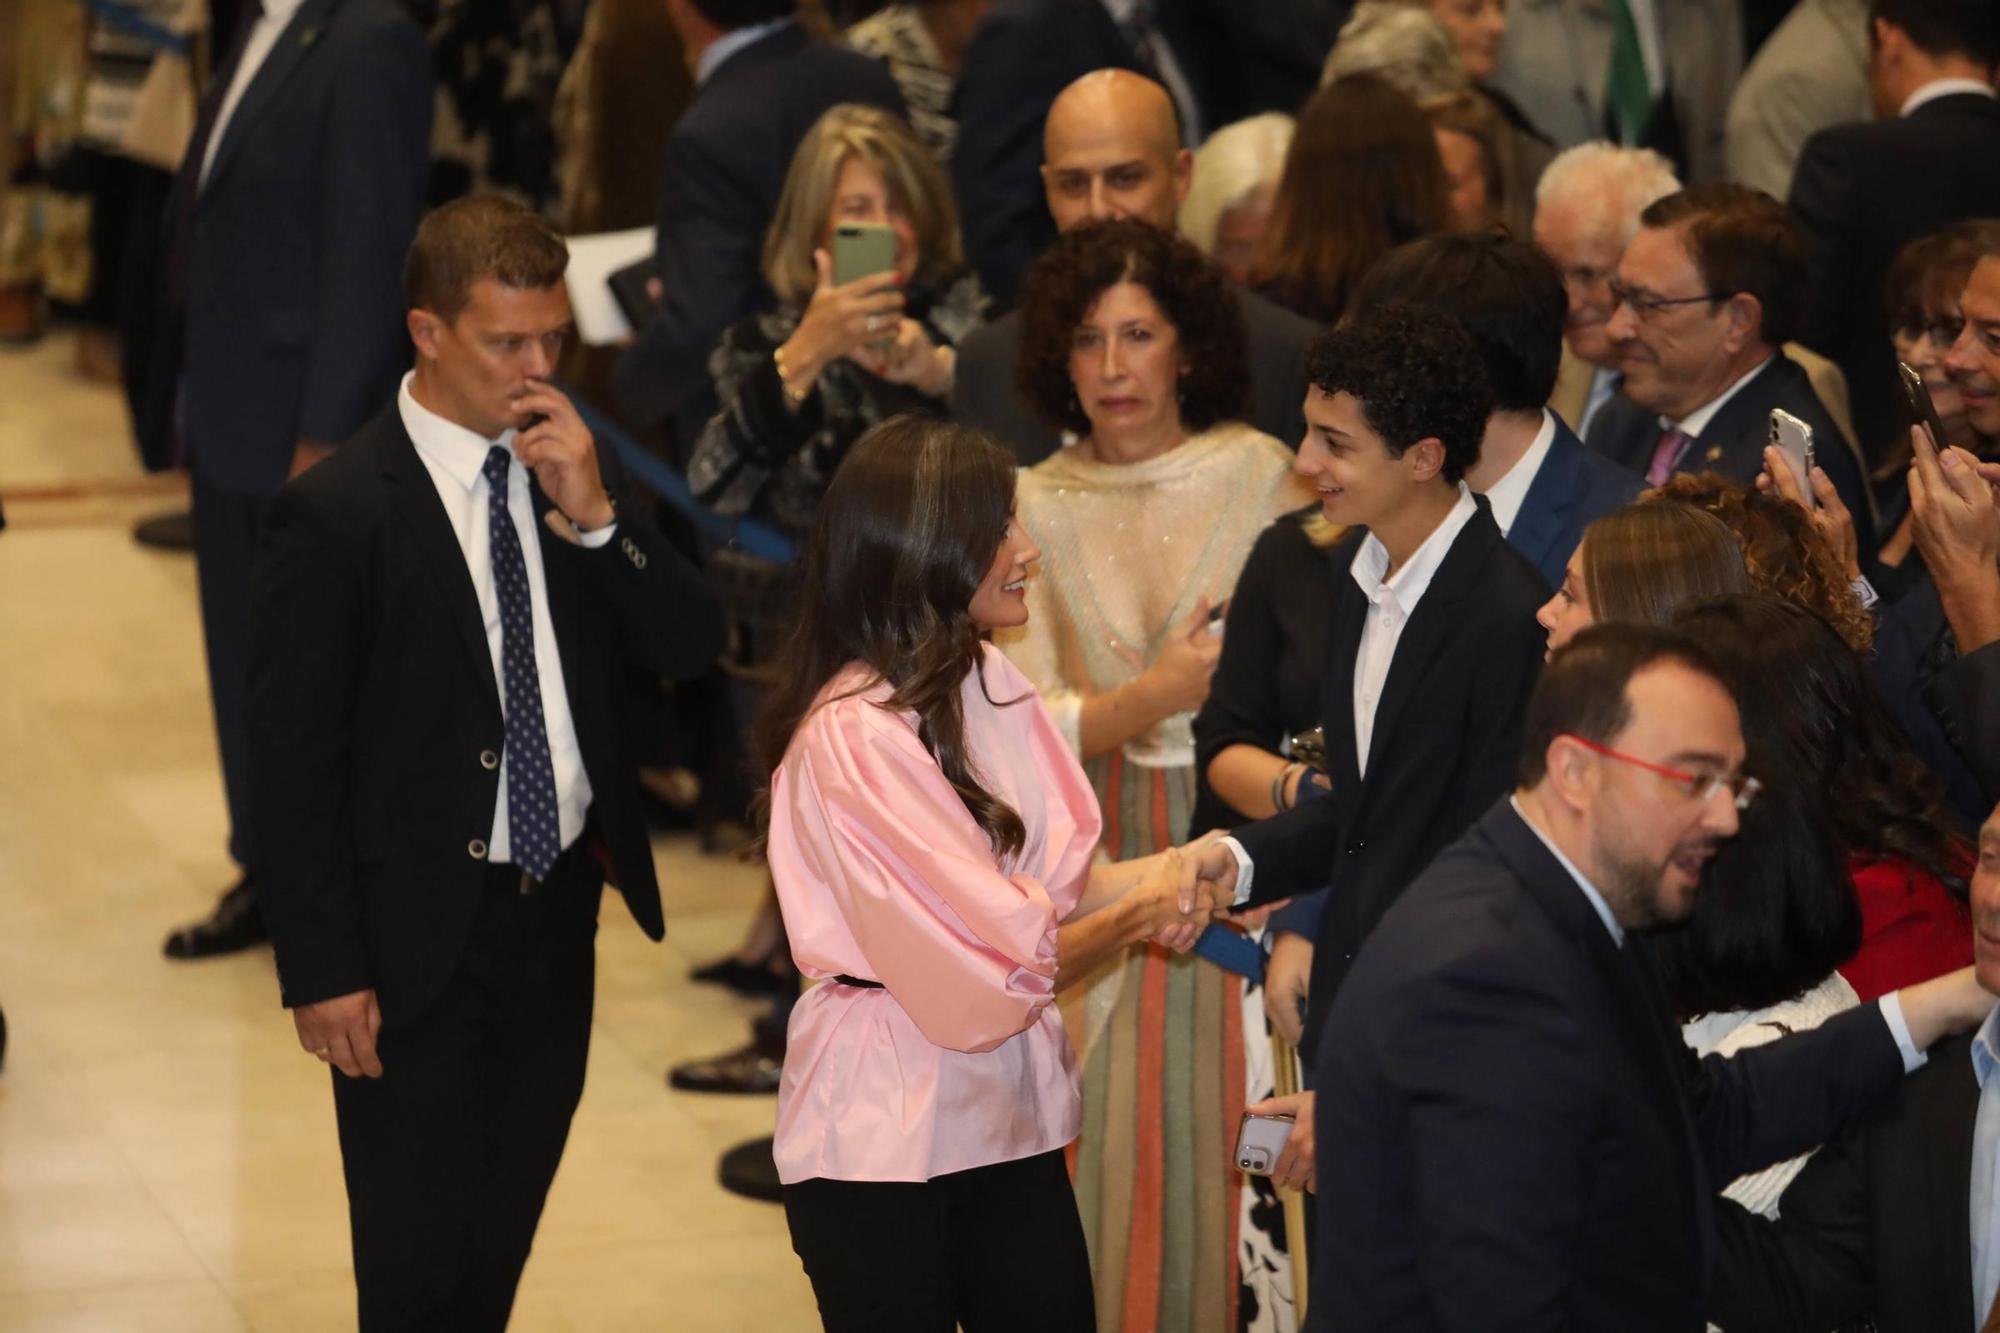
{"type": "Point", "coordinates": [1714, 452]}
{"type": "Point", "coordinates": [309, 36]}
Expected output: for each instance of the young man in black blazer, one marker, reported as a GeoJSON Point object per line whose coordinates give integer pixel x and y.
{"type": "Point", "coordinates": [1433, 647]}
{"type": "Point", "coordinates": [442, 615]}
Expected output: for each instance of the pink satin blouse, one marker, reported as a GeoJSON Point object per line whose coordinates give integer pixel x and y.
{"type": "Point", "coordinates": [961, 1060]}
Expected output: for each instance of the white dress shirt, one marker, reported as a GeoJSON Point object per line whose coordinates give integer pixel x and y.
{"type": "Point", "coordinates": [262, 40]}
{"type": "Point", "coordinates": [1937, 88]}
{"type": "Point", "coordinates": [1391, 603]}
{"type": "Point", "coordinates": [1695, 422]}
{"type": "Point", "coordinates": [1504, 496]}
{"type": "Point", "coordinates": [1604, 383]}
{"type": "Point", "coordinates": [729, 44]}
{"type": "Point", "coordinates": [456, 459]}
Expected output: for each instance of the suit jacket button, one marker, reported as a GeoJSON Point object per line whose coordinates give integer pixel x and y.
{"type": "Point", "coordinates": [476, 849]}
{"type": "Point", "coordinates": [488, 760]}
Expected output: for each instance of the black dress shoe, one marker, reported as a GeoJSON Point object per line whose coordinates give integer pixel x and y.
{"type": "Point", "coordinates": [754, 981]}
{"type": "Point", "coordinates": [166, 532]}
{"type": "Point", "coordinates": [749, 1169]}
{"type": "Point", "coordinates": [236, 924]}
{"type": "Point", "coordinates": [750, 1070]}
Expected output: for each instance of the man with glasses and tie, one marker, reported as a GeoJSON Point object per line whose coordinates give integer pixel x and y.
{"type": "Point", "coordinates": [1512, 1132]}
{"type": "Point", "coordinates": [1706, 294]}
{"type": "Point", "coordinates": [442, 616]}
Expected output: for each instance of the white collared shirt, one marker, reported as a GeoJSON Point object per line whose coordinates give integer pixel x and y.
{"type": "Point", "coordinates": [1937, 88]}
{"type": "Point", "coordinates": [1695, 422]}
{"type": "Point", "coordinates": [1505, 496]}
{"type": "Point", "coordinates": [729, 44]}
{"type": "Point", "coordinates": [257, 49]}
{"type": "Point", "coordinates": [1604, 382]}
{"type": "Point", "coordinates": [1391, 603]}
{"type": "Point", "coordinates": [456, 460]}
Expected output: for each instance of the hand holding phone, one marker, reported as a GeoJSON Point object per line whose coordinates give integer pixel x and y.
{"type": "Point", "coordinates": [1793, 438]}
{"type": "Point", "coordinates": [1919, 399]}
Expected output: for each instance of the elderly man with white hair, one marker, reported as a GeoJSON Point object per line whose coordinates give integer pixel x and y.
{"type": "Point", "coordinates": [1587, 209]}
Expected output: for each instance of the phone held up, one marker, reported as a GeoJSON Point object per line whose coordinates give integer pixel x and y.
{"type": "Point", "coordinates": [1794, 439]}
{"type": "Point", "coordinates": [1259, 1142]}
{"type": "Point", "coordinates": [1921, 406]}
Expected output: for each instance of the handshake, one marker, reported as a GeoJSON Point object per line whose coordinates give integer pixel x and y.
{"type": "Point", "coordinates": [1180, 891]}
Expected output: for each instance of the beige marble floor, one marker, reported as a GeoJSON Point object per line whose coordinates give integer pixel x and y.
{"type": "Point", "coordinates": [167, 1158]}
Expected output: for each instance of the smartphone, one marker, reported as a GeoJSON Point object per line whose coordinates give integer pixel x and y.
{"type": "Point", "coordinates": [1794, 439]}
{"type": "Point", "coordinates": [1920, 403]}
{"type": "Point", "coordinates": [861, 250]}
{"type": "Point", "coordinates": [1260, 1140]}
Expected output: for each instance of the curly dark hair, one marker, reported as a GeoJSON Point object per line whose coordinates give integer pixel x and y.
{"type": "Point", "coordinates": [1191, 292]}
{"type": "Point", "coordinates": [1778, 911]}
{"type": "Point", "coordinates": [1418, 375]}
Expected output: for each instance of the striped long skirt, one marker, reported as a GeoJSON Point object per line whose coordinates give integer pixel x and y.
{"type": "Point", "coordinates": [1171, 1048]}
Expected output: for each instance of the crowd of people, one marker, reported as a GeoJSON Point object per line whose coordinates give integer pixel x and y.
{"type": "Point", "coordinates": [1423, 573]}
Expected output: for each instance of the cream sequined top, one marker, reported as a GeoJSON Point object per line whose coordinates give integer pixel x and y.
{"type": "Point", "coordinates": [1128, 549]}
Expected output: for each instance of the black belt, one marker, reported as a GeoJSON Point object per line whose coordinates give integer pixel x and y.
{"type": "Point", "coordinates": [846, 980]}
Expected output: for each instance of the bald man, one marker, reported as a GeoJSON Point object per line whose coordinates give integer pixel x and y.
{"type": "Point", "coordinates": [1112, 149]}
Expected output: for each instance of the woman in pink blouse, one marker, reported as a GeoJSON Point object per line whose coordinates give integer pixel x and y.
{"type": "Point", "coordinates": [931, 838]}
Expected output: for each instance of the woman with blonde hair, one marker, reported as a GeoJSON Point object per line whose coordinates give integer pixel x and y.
{"type": "Point", "coordinates": [798, 386]}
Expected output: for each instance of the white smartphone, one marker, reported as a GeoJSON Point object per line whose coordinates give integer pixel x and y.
{"type": "Point", "coordinates": [1794, 438]}
{"type": "Point", "coordinates": [1260, 1140]}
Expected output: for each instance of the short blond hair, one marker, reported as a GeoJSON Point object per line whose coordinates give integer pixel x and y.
{"type": "Point", "coordinates": [1231, 165]}
{"type": "Point", "coordinates": [1402, 44]}
{"type": "Point", "coordinates": [916, 184]}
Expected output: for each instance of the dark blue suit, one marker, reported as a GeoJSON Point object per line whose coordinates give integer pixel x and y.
{"type": "Point", "coordinates": [292, 323]}
{"type": "Point", "coordinates": [1515, 1134]}
{"type": "Point", "coordinates": [1574, 488]}
{"type": "Point", "coordinates": [725, 166]}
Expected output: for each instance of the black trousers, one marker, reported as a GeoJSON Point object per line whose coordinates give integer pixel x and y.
{"type": "Point", "coordinates": [225, 542]}
{"type": "Point", "coordinates": [449, 1155]}
{"type": "Point", "coordinates": [997, 1249]}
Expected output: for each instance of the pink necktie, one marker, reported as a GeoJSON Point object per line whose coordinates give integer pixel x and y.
{"type": "Point", "coordinates": [1665, 455]}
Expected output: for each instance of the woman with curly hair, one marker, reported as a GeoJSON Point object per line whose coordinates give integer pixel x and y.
{"type": "Point", "coordinates": [1133, 344]}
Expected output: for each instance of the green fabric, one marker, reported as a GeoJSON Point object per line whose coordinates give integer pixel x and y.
{"type": "Point", "coordinates": [1628, 97]}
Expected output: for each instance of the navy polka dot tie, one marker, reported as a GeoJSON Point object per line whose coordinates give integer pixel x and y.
{"type": "Point", "coordinates": [533, 834]}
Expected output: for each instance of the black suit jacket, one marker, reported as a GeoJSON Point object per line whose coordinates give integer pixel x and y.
{"type": "Point", "coordinates": [1862, 192]}
{"type": "Point", "coordinates": [293, 327]}
{"type": "Point", "coordinates": [1573, 488]}
{"type": "Point", "coordinates": [1022, 54]}
{"type": "Point", "coordinates": [1876, 1225]}
{"type": "Point", "coordinates": [1516, 1136]}
{"type": "Point", "coordinates": [374, 712]}
{"type": "Point", "coordinates": [1733, 441]}
{"type": "Point", "coordinates": [1446, 737]}
{"type": "Point", "coordinates": [985, 395]}
{"type": "Point", "coordinates": [725, 167]}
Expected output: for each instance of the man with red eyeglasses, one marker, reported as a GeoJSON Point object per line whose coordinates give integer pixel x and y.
{"type": "Point", "coordinates": [1512, 1133]}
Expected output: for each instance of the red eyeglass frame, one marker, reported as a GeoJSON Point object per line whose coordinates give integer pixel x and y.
{"type": "Point", "coordinates": [1742, 797]}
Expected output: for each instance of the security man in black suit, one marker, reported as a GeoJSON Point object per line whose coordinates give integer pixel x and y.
{"type": "Point", "coordinates": [761, 80]}
{"type": "Point", "coordinates": [1708, 292]}
{"type": "Point", "coordinates": [279, 329]}
{"type": "Point", "coordinates": [1863, 191]}
{"type": "Point", "coordinates": [1113, 150]}
{"type": "Point", "coordinates": [443, 612]}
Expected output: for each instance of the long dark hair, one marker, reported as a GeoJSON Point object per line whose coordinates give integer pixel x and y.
{"type": "Point", "coordinates": [907, 529]}
{"type": "Point", "coordinates": [1779, 912]}
{"type": "Point", "coordinates": [1362, 176]}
